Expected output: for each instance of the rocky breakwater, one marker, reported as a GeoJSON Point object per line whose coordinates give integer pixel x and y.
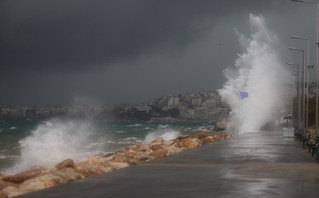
{"type": "Point", "coordinates": [66, 171]}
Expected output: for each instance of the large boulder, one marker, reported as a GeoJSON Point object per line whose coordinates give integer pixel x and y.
{"type": "Point", "coordinates": [3, 185]}
{"type": "Point", "coordinates": [201, 135]}
{"type": "Point", "coordinates": [49, 180]}
{"type": "Point", "coordinates": [3, 195]}
{"type": "Point", "coordinates": [180, 137]}
{"type": "Point", "coordinates": [142, 156]}
{"type": "Point", "coordinates": [221, 127]}
{"type": "Point", "coordinates": [130, 158]}
{"type": "Point", "coordinates": [188, 142]}
{"type": "Point", "coordinates": [160, 153]}
{"type": "Point", "coordinates": [168, 143]}
{"type": "Point", "coordinates": [94, 166]}
{"type": "Point", "coordinates": [121, 157]}
{"type": "Point", "coordinates": [68, 163]}
{"type": "Point", "coordinates": [11, 191]}
{"type": "Point", "coordinates": [207, 140]}
{"type": "Point", "coordinates": [21, 177]}
{"type": "Point", "coordinates": [156, 147]}
{"type": "Point", "coordinates": [137, 148]}
{"type": "Point", "coordinates": [172, 149]}
{"type": "Point", "coordinates": [159, 140]}
{"type": "Point", "coordinates": [119, 165]}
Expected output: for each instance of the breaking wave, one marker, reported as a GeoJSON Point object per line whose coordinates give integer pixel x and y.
{"type": "Point", "coordinates": [54, 141]}
{"type": "Point", "coordinates": [167, 134]}
{"type": "Point", "coordinates": [261, 73]}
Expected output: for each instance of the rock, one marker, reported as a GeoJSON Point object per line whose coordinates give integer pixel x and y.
{"type": "Point", "coordinates": [216, 137]}
{"type": "Point", "coordinates": [134, 161]}
{"type": "Point", "coordinates": [179, 143]}
{"type": "Point", "coordinates": [207, 140]}
{"type": "Point", "coordinates": [174, 149]}
{"type": "Point", "coordinates": [108, 155]}
{"type": "Point", "coordinates": [68, 163]}
{"type": "Point", "coordinates": [121, 157]}
{"type": "Point", "coordinates": [159, 153]}
{"type": "Point", "coordinates": [119, 165]}
{"type": "Point", "coordinates": [2, 195]}
{"type": "Point", "coordinates": [48, 180]}
{"type": "Point", "coordinates": [3, 185]}
{"type": "Point", "coordinates": [21, 177]}
{"type": "Point", "coordinates": [182, 137]}
{"type": "Point", "coordinates": [159, 140]}
{"type": "Point", "coordinates": [94, 166]}
{"type": "Point", "coordinates": [168, 143]}
{"type": "Point", "coordinates": [11, 191]}
{"type": "Point", "coordinates": [137, 148]}
{"type": "Point", "coordinates": [221, 127]}
{"type": "Point", "coordinates": [156, 147]}
{"type": "Point", "coordinates": [143, 156]}
{"type": "Point", "coordinates": [201, 135]}
{"type": "Point", "coordinates": [188, 142]}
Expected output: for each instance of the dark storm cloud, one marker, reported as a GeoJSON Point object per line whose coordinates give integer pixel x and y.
{"type": "Point", "coordinates": [75, 34]}
{"type": "Point", "coordinates": [114, 51]}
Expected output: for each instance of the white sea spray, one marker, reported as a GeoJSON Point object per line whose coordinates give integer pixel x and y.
{"type": "Point", "coordinates": [261, 72]}
{"type": "Point", "coordinates": [56, 140]}
{"type": "Point", "coordinates": [166, 133]}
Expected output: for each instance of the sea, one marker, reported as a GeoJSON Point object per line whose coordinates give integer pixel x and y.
{"type": "Point", "coordinates": [28, 145]}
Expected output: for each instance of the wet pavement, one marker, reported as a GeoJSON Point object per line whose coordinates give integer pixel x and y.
{"type": "Point", "coordinates": [262, 164]}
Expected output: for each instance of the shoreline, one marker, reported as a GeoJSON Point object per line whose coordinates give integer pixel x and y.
{"type": "Point", "coordinates": [66, 171]}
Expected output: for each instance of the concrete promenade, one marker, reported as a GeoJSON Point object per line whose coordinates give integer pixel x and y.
{"type": "Point", "coordinates": [260, 164]}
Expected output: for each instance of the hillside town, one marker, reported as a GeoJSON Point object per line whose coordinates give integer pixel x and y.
{"type": "Point", "coordinates": [204, 106]}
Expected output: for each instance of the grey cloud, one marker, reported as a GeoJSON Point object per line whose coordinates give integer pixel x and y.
{"type": "Point", "coordinates": [127, 50]}
{"type": "Point", "coordinates": [75, 34]}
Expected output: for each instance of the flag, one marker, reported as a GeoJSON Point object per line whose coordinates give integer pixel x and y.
{"type": "Point", "coordinates": [243, 95]}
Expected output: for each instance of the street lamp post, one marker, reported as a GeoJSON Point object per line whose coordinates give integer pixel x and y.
{"type": "Point", "coordinates": [317, 43]}
{"type": "Point", "coordinates": [298, 91]}
{"type": "Point", "coordinates": [303, 85]}
{"type": "Point", "coordinates": [307, 97]}
{"type": "Point", "coordinates": [305, 39]}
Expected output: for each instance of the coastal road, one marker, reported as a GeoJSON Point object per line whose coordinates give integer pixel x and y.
{"type": "Point", "coordinates": [259, 164]}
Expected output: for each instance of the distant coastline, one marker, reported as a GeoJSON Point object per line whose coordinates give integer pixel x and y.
{"type": "Point", "coordinates": [204, 106]}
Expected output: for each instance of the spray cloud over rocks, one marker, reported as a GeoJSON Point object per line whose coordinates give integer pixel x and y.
{"type": "Point", "coordinates": [259, 71]}
{"type": "Point", "coordinates": [56, 140]}
{"type": "Point", "coordinates": [166, 134]}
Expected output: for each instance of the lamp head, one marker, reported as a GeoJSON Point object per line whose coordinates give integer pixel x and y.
{"type": "Point", "coordinates": [294, 37]}
{"type": "Point", "coordinates": [293, 48]}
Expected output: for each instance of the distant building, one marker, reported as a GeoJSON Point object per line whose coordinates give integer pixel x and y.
{"type": "Point", "coordinates": [173, 101]}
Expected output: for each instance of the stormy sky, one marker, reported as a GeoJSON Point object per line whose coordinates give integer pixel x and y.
{"type": "Point", "coordinates": [125, 51]}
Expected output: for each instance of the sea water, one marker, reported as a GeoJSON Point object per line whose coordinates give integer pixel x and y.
{"type": "Point", "coordinates": [35, 144]}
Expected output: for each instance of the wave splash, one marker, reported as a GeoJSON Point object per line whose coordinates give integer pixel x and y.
{"type": "Point", "coordinates": [167, 134]}
{"type": "Point", "coordinates": [260, 72]}
{"type": "Point", "coordinates": [56, 140]}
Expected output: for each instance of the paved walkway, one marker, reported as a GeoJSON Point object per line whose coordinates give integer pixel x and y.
{"type": "Point", "coordinates": [254, 165]}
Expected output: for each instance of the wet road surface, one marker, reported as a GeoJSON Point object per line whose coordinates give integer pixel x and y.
{"type": "Point", "coordinates": [262, 164]}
